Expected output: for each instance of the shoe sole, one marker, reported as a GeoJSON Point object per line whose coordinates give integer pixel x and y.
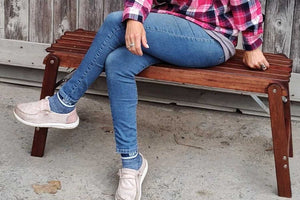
{"type": "Point", "coordinates": [48, 125]}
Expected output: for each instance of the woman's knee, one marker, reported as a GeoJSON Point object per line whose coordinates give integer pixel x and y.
{"type": "Point", "coordinates": [122, 64]}
{"type": "Point", "coordinates": [110, 66]}
{"type": "Point", "coordinates": [116, 65]}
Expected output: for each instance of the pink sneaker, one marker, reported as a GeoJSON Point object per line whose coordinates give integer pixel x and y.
{"type": "Point", "coordinates": [130, 183]}
{"type": "Point", "coordinates": [38, 114]}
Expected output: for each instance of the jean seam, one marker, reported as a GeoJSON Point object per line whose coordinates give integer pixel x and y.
{"type": "Point", "coordinates": [127, 151]}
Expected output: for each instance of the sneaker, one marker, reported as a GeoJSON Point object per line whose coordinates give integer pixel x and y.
{"type": "Point", "coordinates": [130, 183]}
{"type": "Point", "coordinates": [38, 114]}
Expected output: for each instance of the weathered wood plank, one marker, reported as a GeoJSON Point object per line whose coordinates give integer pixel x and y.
{"type": "Point", "coordinates": [41, 27]}
{"type": "Point", "coordinates": [64, 17]}
{"type": "Point", "coordinates": [1, 18]}
{"type": "Point", "coordinates": [90, 14]}
{"type": "Point", "coordinates": [15, 19]}
{"type": "Point", "coordinates": [112, 5]}
{"type": "Point", "coordinates": [263, 5]}
{"type": "Point", "coordinates": [294, 87]}
{"type": "Point", "coordinates": [263, 10]}
{"type": "Point", "coordinates": [22, 53]}
{"type": "Point", "coordinates": [278, 26]}
{"type": "Point", "coordinates": [295, 47]}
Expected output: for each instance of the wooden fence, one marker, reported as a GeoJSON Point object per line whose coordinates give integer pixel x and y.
{"type": "Point", "coordinates": [43, 21]}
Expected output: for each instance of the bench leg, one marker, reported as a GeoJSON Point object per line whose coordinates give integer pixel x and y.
{"type": "Point", "coordinates": [288, 124]}
{"type": "Point", "coordinates": [48, 87]}
{"type": "Point", "coordinates": [280, 140]}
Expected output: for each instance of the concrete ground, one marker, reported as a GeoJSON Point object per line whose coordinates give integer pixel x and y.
{"type": "Point", "coordinates": [192, 153]}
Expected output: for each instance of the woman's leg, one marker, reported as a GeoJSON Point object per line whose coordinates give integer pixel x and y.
{"type": "Point", "coordinates": [168, 36]}
{"type": "Point", "coordinates": [121, 66]}
{"type": "Point", "coordinates": [59, 111]}
{"type": "Point", "coordinates": [171, 39]}
{"type": "Point", "coordinates": [110, 36]}
{"type": "Point", "coordinates": [181, 42]}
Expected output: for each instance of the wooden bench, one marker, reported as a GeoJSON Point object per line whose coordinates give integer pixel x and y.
{"type": "Point", "coordinates": [69, 50]}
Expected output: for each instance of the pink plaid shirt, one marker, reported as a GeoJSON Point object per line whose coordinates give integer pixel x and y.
{"type": "Point", "coordinates": [228, 17]}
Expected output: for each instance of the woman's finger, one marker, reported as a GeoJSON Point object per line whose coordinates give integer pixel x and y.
{"type": "Point", "coordinates": [264, 64]}
{"type": "Point", "coordinates": [134, 45]}
{"type": "Point", "coordinates": [138, 49]}
{"type": "Point", "coordinates": [144, 41]}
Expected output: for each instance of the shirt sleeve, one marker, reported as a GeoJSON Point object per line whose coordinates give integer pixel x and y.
{"type": "Point", "coordinates": [137, 9]}
{"type": "Point", "coordinates": [248, 19]}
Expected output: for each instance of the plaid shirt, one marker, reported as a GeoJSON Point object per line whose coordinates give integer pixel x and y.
{"type": "Point", "coordinates": [224, 16]}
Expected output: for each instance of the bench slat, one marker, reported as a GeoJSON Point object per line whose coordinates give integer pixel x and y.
{"type": "Point", "coordinates": [77, 38]}
{"type": "Point", "coordinates": [80, 34]}
{"type": "Point", "coordinates": [244, 70]}
{"type": "Point", "coordinates": [274, 69]}
{"type": "Point", "coordinates": [71, 46]}
{"type": "Point", "coordinates": [67, 49]}
{"type": "Point", "coordinates": [204, 77]}
{"type": "Point", "coordinates": [279, 69]}
{"type": "Point", "coordinates": [73, 42]}
{"type": "Point", "coordinates": [250, 73]}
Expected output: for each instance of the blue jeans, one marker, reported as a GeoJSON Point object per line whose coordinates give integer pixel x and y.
{"type": "Point", "coordinates": [171, 39]}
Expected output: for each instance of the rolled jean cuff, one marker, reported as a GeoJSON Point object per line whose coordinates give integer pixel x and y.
{"type": "Point", "coordinates": [127, 151]}
{"type": "Point", "coordinates": [65, 98]}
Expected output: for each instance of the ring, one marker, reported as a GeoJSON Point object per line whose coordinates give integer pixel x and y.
{"type": "Point", "coordinates": [130, 45]}
{"type": "Point", "coordinates": [263, 67]}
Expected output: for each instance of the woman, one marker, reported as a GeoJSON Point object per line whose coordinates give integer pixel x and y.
{"type": "Point", "coordinates": [188, 33]}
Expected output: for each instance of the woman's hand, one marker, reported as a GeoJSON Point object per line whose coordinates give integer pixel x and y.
{"type": "Point", "coordinates": [255, 59]}
{"type": "Point", "coordinates": [135, 37]}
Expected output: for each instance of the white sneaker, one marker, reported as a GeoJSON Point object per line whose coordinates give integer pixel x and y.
{"type": "Point", "coordinates": [38, 114]}
{"type": "Point", "coordinates": [130, 183]}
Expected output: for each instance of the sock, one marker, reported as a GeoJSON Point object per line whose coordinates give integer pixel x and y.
{"type": "Point", "coordinates": [132, 161]}
{"type": "Point", "coordinates": [56, 105]}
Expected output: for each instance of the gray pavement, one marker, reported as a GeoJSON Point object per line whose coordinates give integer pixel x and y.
{"type": "Point", "coordinates": [192, 153]}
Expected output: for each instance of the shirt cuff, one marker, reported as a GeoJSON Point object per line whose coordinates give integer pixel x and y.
{"type": "Point", "coordinates": [134, 14]}
{"type": "Point", "coordinates": [254, 45]}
